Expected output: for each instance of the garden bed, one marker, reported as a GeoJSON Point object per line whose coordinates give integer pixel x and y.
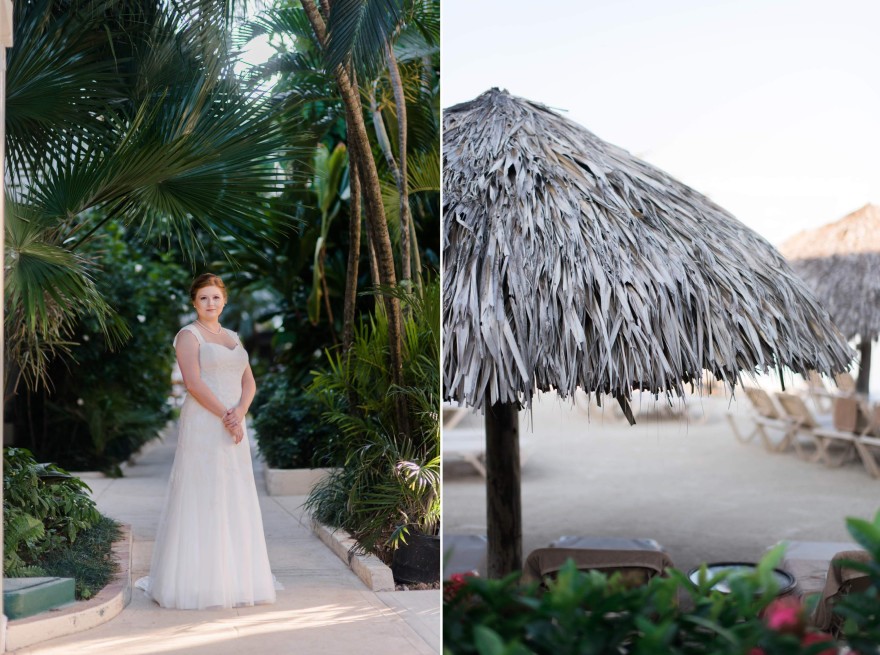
{"type": "Point", "coordinates": [82, 615]}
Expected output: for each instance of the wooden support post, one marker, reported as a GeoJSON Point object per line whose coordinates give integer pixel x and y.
{"type": "Point", "coordinates": [863, 382]}
{"type": "Point", "coordinates": [503, 499]}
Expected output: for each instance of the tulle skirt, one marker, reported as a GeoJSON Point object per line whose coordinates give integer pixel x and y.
{"type": "Point", "coordinates": [210, 550]}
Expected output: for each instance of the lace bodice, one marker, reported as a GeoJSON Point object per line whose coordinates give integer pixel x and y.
{"type": "Point", "coordinates": [221, 367]}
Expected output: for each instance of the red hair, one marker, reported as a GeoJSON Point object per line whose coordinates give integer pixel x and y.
{"type": "Point", "coordinates": [206, 280]}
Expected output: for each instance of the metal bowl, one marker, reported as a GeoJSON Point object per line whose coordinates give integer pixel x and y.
{"type": "Point", "coordinates": [784, 579]}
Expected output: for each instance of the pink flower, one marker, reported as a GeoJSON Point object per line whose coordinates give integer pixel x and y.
{"type": "Point", "coordinates": [453, 586]}
{"type": "Point", "coordinates": [817, 638]}
{"type": "Point", "coordinates": [785, 615]}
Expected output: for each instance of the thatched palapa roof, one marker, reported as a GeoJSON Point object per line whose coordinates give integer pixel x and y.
{"type": "Point", "coordinates": [841, 263]}
{"type": "Point", "coordinates": [570, 263]}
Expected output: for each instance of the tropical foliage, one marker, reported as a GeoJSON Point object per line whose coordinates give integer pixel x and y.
{"type": "Point", "coordinates": [310, 182]}
{"type": "Point", "coordinates": [592, 613]}
{"type": "Point", "coordinates": [291, 432]}
{"type": "Point", "coordinates": [44, 509]}
{"type": "Point", "coordinates": [109, 403]}
{"type": "Point", "coordinates": [121, 111]}
{"type": "Point", "coordinates": [860, 613]}
{"type": "Point", "coordinates": [365, 79]}
{"type": "Point", "coordinates": [51, 526]}
{"type": "Point", "coordinates": [88, 560]}
{"type": "Point", "coordinates": [389, 483]}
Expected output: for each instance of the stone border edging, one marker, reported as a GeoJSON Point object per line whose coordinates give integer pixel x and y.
{"type": "Point", "coordinates": [372, 571]}
{"type": "Point", "coordinates": [292, 482]}
{"type": "Point", "coordinates": [80, 615]}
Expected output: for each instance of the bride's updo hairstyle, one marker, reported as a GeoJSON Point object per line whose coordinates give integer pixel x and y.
{"type": "Point", "coordinates": [206, 280]}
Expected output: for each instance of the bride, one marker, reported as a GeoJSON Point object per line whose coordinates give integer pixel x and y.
{"type": "Point", "coordinates": [210, 550]}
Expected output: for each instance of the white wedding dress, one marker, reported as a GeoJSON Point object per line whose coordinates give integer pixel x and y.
{"type": "Point", "coordinates": [210, 551]}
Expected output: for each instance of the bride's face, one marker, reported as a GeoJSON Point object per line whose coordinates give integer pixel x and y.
{"type": "Point", "coordinates": [209, 303]}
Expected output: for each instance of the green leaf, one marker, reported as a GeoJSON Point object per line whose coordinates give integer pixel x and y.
{"type": "Point", "coordinates": [487, 641]}
{"type": "Point", "coordinates": [359, 30]}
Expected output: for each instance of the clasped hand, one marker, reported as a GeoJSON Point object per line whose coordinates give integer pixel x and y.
{"type": "Point", "coordinates": [232, 420]}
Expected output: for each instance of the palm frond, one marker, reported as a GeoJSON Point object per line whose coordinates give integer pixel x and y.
{"type": "Point", "coordinates": [59, 86]}
{"type": "Point", "coordinates": [419, 38]}
{"type": "Point", "coordinates": [424, 172]}
{"type": "Point", "coordinates": [358, 30]}
{"type": "Point", "coordinates": [44, 278]}
{"type": "Point", "coordinates": [290, 21]}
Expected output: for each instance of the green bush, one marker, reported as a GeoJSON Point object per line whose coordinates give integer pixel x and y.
{"type": "Point", "coordinates": [590, 613]}
{"type": "Point", "coordinates": [44, 511]}
{"type": "Point", "coordinates": [390, 481]}
{"type": "Point", "coordinates": [88, 560]}
{"type": "Point", "coordinates": [110, 403]}
{"type": "Point", "coordinates": [290, 431]}
{"type": "Point", "coordinates": [861, 612]}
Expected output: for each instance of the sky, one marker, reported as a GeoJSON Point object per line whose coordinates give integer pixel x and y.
{"type": "Point", "coordinates": [771, 108]}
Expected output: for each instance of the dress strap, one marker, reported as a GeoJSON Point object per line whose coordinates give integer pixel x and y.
{"type": "Point", "coordinates": [190, 328]}
{"type": "Point", "coordinates": [234, 335]}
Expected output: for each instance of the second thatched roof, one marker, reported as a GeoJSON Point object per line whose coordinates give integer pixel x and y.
{"type": "Point", "coordinates": [570, 263]}
{"type": "Point", "coordinates": [841, 263]}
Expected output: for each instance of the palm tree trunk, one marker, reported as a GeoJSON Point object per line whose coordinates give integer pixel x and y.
{"type": "Point", "coordinates": [354, 252]}
{"type": "Point", "coordinates": [416, 258]}
{"type": "Point", "coordinates": [406, 226]}
{"type": "Point", "coordinates": [371, 251]}
{"type": "Point", "coordinates": [375, 211]}
{"type": "Point", "coordinates": [402, 179]}
{"type": "Point", "coordinates": [382, 133]}
{"type": "Point", "coordinates": [326, 293]}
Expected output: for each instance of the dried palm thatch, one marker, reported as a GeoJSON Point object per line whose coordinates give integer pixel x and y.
{"type": "Point", "coordinates": [570, 263]}
{"type": "Point", "coordinates": [841, 263]}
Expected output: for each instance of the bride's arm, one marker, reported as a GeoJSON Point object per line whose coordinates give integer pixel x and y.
{"type": "Point", "coordinates": [188, 359]}
{"type": "Point", "coordinates": [248, 391]}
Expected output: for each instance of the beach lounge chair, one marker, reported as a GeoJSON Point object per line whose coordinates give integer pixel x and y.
{"type": "Point", "coordinates": [868, 442]}
{"type": "Point", "coordinates": [841, 580]}
{"type": "Point", "coordinates": [803, 437]}
{"type": "Point", "coordinates": [767, 418]}
{"type": "Point", "coordinates": [838, 445]}
{"type": "Point", "coordinates": [464, 553]}
{"type": "Point", "coordinates": [846, 383]}
{"type": "Point", "coordinates": [453, 415]}
{"type": "Point", "coordinates": [821, 396]}
{"type": "Point", "coordinates": [808, 562]}
{"type": "Point", "coordinates": [636, 567]}
{"type": "Point", "coordinates": [467, 446]}
{"type": "Point", "coordinates": [606, 543]}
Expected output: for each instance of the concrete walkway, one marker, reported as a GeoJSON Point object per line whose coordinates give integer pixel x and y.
{"type": "Point", "coordinates": [687, 483]}
{"type": "Point", "coordinates": [323, 609]}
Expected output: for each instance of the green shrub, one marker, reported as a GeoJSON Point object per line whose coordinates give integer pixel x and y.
{"type": "Point", "coordinates": [88, 560]}
{"type": "Point", "coordinates": [44, 511]}
{"type": "Point", "coordinates": [861, 612]}
{"type": "Point", "coordinates": [111, 402]}
{"type": "Point", "coordinates": [590, 613]}
{"type": "Point", "coordinates": [290, 430]}
{"type": "Point", "coordinates": [390, 479]}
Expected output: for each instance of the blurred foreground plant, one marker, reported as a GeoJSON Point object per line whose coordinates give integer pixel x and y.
{"type": "Point", "coordinates": [590, 613]}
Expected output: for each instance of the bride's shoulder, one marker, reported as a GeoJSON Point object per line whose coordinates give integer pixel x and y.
{"type": "Point", "coordinates": [190, 329]}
